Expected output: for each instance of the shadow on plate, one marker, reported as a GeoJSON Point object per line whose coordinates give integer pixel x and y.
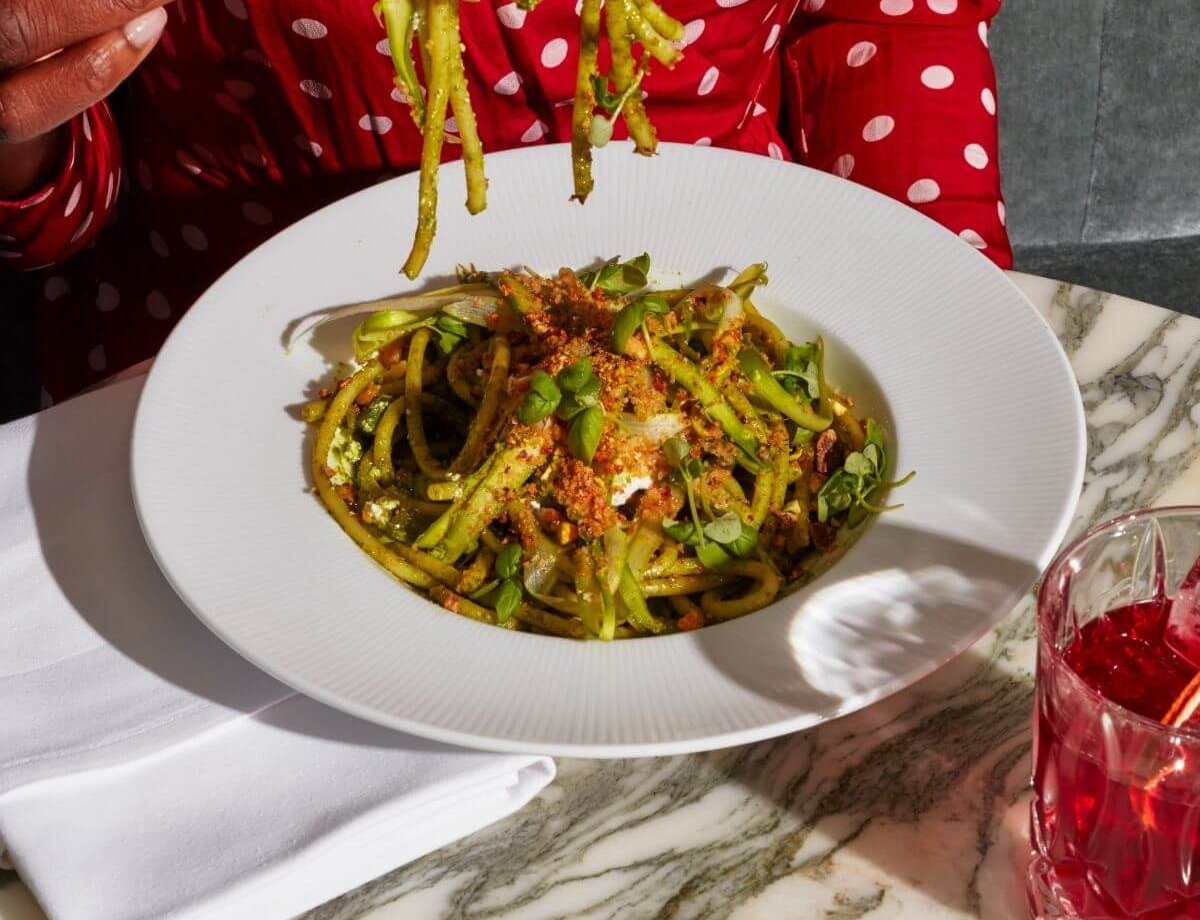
{"type": "Point", "coordinates": [900, 603]}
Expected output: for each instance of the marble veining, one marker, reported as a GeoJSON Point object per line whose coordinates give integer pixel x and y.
{"type": "Point", "coordinates": [915, 806]}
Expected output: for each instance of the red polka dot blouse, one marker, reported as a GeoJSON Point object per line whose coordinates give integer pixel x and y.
{"type": "Point", "coordinates": [250, 114]}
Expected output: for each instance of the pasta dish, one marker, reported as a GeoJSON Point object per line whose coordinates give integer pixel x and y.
{"type": "Point", "coordinates": [582, 456]}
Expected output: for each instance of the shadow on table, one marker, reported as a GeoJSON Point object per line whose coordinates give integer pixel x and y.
{"type": "Point", "coordinates": [82, 503]}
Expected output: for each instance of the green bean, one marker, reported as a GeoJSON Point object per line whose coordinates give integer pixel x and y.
{"type": "Point", "coordinates": [513, 466]}
{"type": "Point", "coordinates": [666, 26]}
{"type": "Point", "coordinates": [687, 375]}
{"type": "Point", "coordinates": [656, 46]}
{"type": "Point", "coordinates": [770, 391]}
{"type": "Point", "coordinates": [636, 609]}
{"type": "Point", "coordinates": [585, 99]}
{"type": "Point", "coordinates": [640, 130]}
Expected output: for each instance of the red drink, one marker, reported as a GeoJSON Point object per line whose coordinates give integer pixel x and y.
{"type": "Point", "coordinates": [1116, 817]}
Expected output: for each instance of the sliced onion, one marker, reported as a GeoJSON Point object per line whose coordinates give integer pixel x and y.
{"type": "Point", "coordinates": [616, 548]}
{"type": "Point", "coordinates": [415, 303]}
{"type": "Point", "coordinates": [656, 429]}
{"type": "Point", "coordinates": [541, 566]}
{"type": "Point", "coordinates": [476, 310]}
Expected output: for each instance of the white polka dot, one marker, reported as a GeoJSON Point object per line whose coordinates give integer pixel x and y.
{"type": "Point", "coordinates": [380, 124]}
{"type": "Point", "coordinates": [843, 165]}
{"type": "Point", "coordinates": [206, 155]}
{"type": "Point", "coordinates": [256, 56]}
{"type": "Point", "coordinates": [878, 128]}
{"type": "Point", "coordinates": [56, 286]}
{"type": "Point", "coordinates": [703, 142]}
{"type": "Point", "coordinates": [256, 213]}
{"type": "Point", "coordinates": [170, 79]}
{"type": "Point", "coordinates": [310, 28]}
{"type": "Point", "coordinates": [9, 254]}
{"type": "Point", "coordinates": [194, 237]}
{"type": "Point", "coordinates": [988, 98]}
{"type": "Point", "coordinates": [774, 152]}
{"type": "Point", "coordinates": [509, 84]}
{"type": "Point", "coordinates": [970, 236]}
{"type": "Point", "coordinates": [860, 53]}
{"type": "Point", "coordinates": [111, 190]}
{"type": "Point", "coordinates": [983, 30]}
{"type": "Point", "coordinates": [253, 155]}
{"type": "Point", "coordinates": [554, 52]}
{"type": "Point", "coordinates": [759, 108]}
{"type": "Point", "coordinates": [730, 4]}
{"type": "Point", "coordinates": [157, 305]}
{"type": "Point", "coordinates": [1001, 212]}
{"type": "Point", "coordinates": [708, 81]}
{"type": "Point", "coordinates": [227, 102]}
{"type": "Point", "coordinates": [237, 8]}
{"type": "Point", "coordinates": [691, 32]}
{"type": "Point", "coordinates": [944, 7]}
{"type": "Point", "coordinates": [923, 190]}
{"type": "Point", "coordinates": [975, 155]}
{"type": "Point", "coordinates": [83, 227]}
{"type": "Point", "coordinates": [895, 7]}
{"type": "Point", "coordinates": [400, 95]}
{"type": "Point", "coordinates": [770, 12]}
{"type": "Point", "coordinates": [937, 77]}
{"type": "Point", "coordinates": [578, 7]}
{"type": "Point", "coordinates": [772, 37]}
{"type": "Point", "coordinates": [188, 162]}
{"type": "Point", "coordinates": [97, 359]}
{"type": "Point", "coordinates": [5, 238]}
{"type": "Point", "coordinates": [812, 6]}
{"type": "Point", "coordinates": [239, 89]}
{"type": "Point", "coordinates": [87, 126]}
{"type": "Point", "coordinates": [73, 199]}
{"type": "Point", "coordinates": [384, 47]}
{"type": "Point", "coordinates": [159, 245]}
{"type": "Point", "coordinates": [535, 132]}
{"type": "Point", "coordinates": [107, 297]}
{"type": "Point", "coordinates": [307, 146]}
{"type": "Point", "coordinates": [316, 89]}
{"type": "Point", "coordinates": [511, 15]}
{"type": "Point", "coordinates": [451, 125]}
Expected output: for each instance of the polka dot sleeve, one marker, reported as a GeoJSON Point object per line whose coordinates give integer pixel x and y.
{"type": "Point", "coordinates": [63, 216]}
{"type": "Point", "coordinates": [900, 96]}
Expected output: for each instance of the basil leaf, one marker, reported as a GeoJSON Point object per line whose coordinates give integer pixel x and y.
{"type": "Point", "coordinates": [641, 263]}
{"type": "Point", "coordinates": [746, 544]}
{"type": "Point", "coordinates": [451, 333]}
{"type": "Point", "coordinates": [584, 436]}
{"type": "Point", "coordinates": [621, 279]}
{"type": "Point", "coordinates": [655, 303]}
{"type": "Point", "coordinates": [508, 596]}
{"type": "Point", "coordinates": [681, 531]}
{"type": "Point", "coordinates": [676, 449]}
{"type": "Point", "coordinates": [541, 400]}
{"type": "Point", "coordinates": [711, 556]}
{"type": "Point", "coordinates": [691, 467]}
{"type": "Point", "coordinates": [569, 407]}
{"type": "Point", "coordinates": [589, 393]}
{"type": "Point", "coordinates": [543, 384]}
{"type": "Point", "coordinates": [626, 324]}
{"type": "Point", "coordinates": [725, 529]}
{"type": "Point", "coordinates": [508, 562]}
{"type": "Point", "coordinates": [574, 375]}
{"type": "Point", "coordinates": [836, 495]}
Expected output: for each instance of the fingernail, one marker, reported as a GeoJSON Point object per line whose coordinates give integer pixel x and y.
{"type": "Point", "coordinates": [145, 30]}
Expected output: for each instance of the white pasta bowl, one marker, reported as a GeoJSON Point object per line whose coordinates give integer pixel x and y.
{"type": "Point", "coordinates": [972, 383]}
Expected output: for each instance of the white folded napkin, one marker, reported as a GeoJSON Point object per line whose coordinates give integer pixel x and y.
{"type": "Point", "coordinates": [148, 771]}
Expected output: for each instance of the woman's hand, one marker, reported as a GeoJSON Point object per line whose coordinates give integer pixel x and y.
{"type": "Point", "coordinates": [56, 59]}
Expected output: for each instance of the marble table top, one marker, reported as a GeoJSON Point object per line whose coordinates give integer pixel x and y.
{"type": "Point", "coordinates": [916, 806]}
